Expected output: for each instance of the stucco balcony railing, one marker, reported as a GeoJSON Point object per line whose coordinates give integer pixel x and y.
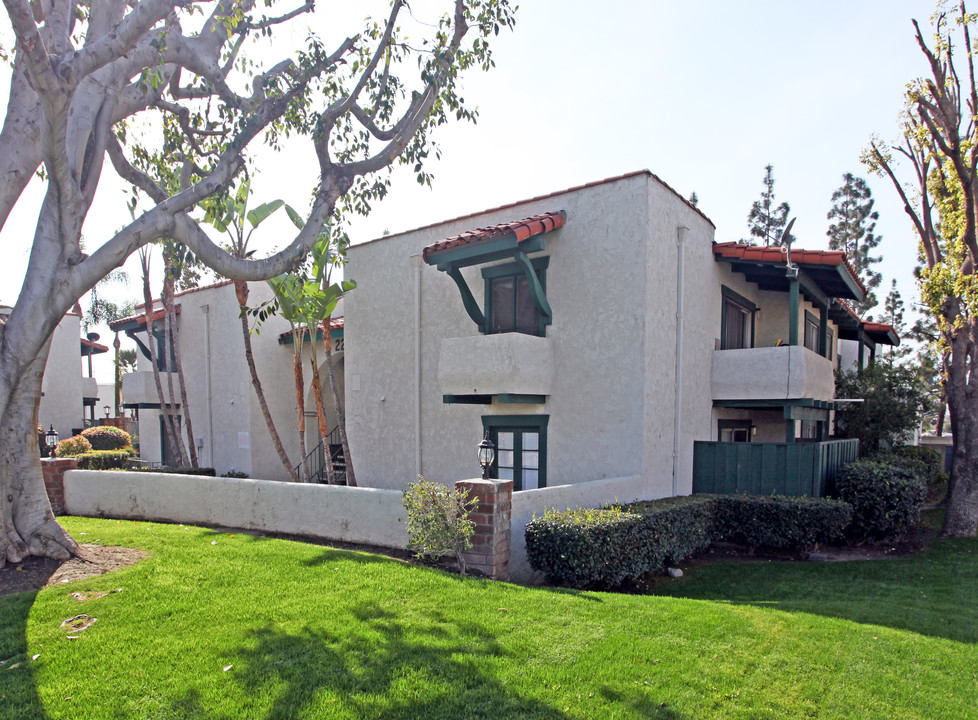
{"type": "Point", "coordinates": [138, 388]}
{"type": "Point", "coordinates": [771, 373]}
{"type": "Point", "coordinates": [507, 363]}
{"type": "Point", "coordinates": [89, 388]}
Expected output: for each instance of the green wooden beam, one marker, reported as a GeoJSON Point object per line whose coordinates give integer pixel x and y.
{"type": "Point", "coordinates": [793, 306]}
{"type": "Point", "coordinates": [467, 399]}
{"type": "Point", "coordinates": [536, 289]}
{"type": "Point", "coordinates": [515, 398]}
{"type": "Point", "coordinates": [483, 252]}
{"type": "Point", "coordinates": [468, 300]}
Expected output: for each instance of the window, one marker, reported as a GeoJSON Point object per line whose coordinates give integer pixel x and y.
{"type": "Point", "coordinates": [734, 430]}
{"type": "Point", "coordinates": [510, 306]}
{"type": "Point", "coordinates": [521, 449]}
{"type": "Point", "coordinates": [811, 331]}
{"type": "Point", "coordinates": [830, 343]}
{"type": "Point", "coordinates": [737, 321]}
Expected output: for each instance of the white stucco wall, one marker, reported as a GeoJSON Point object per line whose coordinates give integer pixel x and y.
{"type": "Point", "coordinates": [61, 402]}
{"type": "Point", "coordinates": [361, 515]}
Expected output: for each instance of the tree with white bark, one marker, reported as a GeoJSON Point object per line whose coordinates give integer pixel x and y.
{"type": "Point", "coordinates": [85, 70]}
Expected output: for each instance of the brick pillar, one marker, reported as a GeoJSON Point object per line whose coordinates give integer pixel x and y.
{"type": "Point", "coordinates": [54, 481]}
{"type": "Point", "coordinates": [489, 554]}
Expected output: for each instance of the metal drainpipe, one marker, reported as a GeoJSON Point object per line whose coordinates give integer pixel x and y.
{"type": "Point", "coordinates": [416, 260]}
{"type": "Point", "coordinates": [678, 413]}
{"type": "Point", "coordinates": [206, 309]}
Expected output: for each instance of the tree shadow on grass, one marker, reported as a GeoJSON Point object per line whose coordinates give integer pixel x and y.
{"type": "Point", "coordinates": [18, 691]}
{"type": "Point", "coordinates": [932, 593]}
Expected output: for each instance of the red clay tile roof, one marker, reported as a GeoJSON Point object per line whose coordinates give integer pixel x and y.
{"type": "Point", "coordinates": [521, 229]}
{"type": "Point", "coordinates": [755, 253]}
{"type": "Point", "coordinates": [94, 348]}
{"type": "Point", "coordinates": [140, 317]}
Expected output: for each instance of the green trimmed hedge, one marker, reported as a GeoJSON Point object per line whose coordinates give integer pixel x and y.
{"type": "Point", "coordinates": [779, 522]}
{"type": "Point", "coordinates": [106, 437]}
{"type": "Point", "coordinates": [926, 460]}
{"type": "Point", "coordinates": [103, 460]}
{"type": "Point", "coordinates": [208, 471]}
{"type": "Point", "coordinates": [607, 546]}
{"type": "Point", "coordinates": [886, 497]}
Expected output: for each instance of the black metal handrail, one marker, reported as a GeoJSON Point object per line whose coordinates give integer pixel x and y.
{"type": "Point", "coordinates": [317, 460]}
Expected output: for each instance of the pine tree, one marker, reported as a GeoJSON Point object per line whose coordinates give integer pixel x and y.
{"type": "Point", "coordinates": [852, 232]}
{"type": "Point", "coordinates": [893, 314]}
{"type": "Point", "coordinates": [766, 221]}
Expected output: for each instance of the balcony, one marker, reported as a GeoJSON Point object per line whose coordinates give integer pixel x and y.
{"type": "Point", "coordinates": [90, 389]}
{"type": "Point", "coordinates": [509, 364]}
{"type": "Point", "coordinates": [771, 373]}
{"type": "Point", "coordinates": [139, 389]}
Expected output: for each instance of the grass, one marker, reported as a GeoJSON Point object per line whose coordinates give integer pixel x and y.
{"type": "Point", "coordinates": [213, 625]}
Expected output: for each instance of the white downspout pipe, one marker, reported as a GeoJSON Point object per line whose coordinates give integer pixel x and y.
{"type": "Point", "coordinates": [678, 412]}
{"type": "Point", "coordinates": [416, 260]}
{"type": "Point", "coordinates": [206, 309]}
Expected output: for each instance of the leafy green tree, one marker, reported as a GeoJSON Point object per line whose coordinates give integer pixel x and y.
{"type": "Point", "coordinates": [84, 77]}
{"type": "Point", "coordinates": [766, 220]}
{"type": "Point", "coordinates": [852, 232]}
{"type": "Point", "coordinates": [940, 144]}
{"type": "Point", "coordinates": [892, 401]}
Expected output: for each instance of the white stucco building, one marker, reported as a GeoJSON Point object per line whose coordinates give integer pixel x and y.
{"type": "Point", "coordinates": [227, 420]}
{"type": "Point", "coordinates": [593, 333]}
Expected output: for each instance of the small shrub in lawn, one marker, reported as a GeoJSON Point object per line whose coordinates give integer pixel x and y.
{"type": "Point", "coordinates": [103, 460]}
{"type": "Point", "coordinates": [779, 522]}
{"type": "Point", "coordinates": [438, 520]}
{"type": "Point", "coordinates": [106, 437]}
{"type": "Point", "coordinates": [886, 498]}
{"type": "Point", "coordinates": [70, 447]}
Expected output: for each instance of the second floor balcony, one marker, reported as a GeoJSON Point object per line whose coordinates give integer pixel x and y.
{"type": "Point", "coordinates": [771, 373]}
{"type": "Point", "coordinates": [503, 364]}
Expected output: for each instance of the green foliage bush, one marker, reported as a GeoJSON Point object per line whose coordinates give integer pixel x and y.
{"type": "Point", "coordinates": [103, 460]}
{"type": "Point", "coordinates": [886, 498]}
{"type": "Point", "coordinates": [234, 474]}
{"type": "Point", "coordinates": [926, 459]}
{"type": "Point", "coordinates": [70, 447]}
{"type": "Point", "coordinates": [106, 437]}
{"type": "Point", "coordinates": [779, 522]}
{"type": "Point", "coordinates": [607, 546]}
{"type": "Point", "coordinates": [438, 521]}
{"type": "Point", "coordinates": [166, 470]}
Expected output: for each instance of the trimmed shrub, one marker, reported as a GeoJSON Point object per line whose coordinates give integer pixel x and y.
{"type": "Point", "coordinates": [208, 471]}
{"type": "Point", "coordinates": [438, 521]}
{"type": "Point", "coordinates": [234, 474]}
{"type": "Point", "coordinates": [103, 460]}
{"type": "Point", "coordinates": [886, 498]}
{"type": "Point", "coordinates": [73, 446]}
{"type": "Point", "coordinates": [928, 460]}
{"type": "Point", "coordinates": [779, 522]}
{"type": "Point", "coordinates": [606, 546]}
{"type": "Point", "coordinates": [106, 437]}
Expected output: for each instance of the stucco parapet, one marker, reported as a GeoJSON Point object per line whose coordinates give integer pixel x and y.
{"type": "Point", "coordinates": [494, 364]}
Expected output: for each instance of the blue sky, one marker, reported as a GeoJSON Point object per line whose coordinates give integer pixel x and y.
{"type": "Point", "coordinates": [704, 94]}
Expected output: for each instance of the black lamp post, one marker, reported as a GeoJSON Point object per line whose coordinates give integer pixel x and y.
{"type": "Point", "coordinates": [51, 439]}
{"type": "Point", "coordinates": [487, 452]}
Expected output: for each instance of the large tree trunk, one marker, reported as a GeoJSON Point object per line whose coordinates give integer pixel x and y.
{"type": "Point", "coordinates": [241, 292]}
{"type": "Point", "coordinates": [961, 518]}
{"type": "Point", "coordinates": [351, 478]}
{"type": "Point", "coordinates": [29, 527]}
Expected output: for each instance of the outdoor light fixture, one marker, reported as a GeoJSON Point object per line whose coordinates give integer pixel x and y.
{"type": "Point", "coordinates": [107, 408]}
{"type": "Point", "coordinates": [487, 452]}
{"type": "Point", "coordinates": [51, 439]}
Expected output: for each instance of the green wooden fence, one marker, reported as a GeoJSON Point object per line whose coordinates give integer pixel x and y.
{"type": "Point", "coordinates": [764, 468]}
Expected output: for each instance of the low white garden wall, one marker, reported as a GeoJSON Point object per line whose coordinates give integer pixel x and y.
{"type": "Point", "coordinates": [359, 515]}
{"type": "Point", "coordinates": [528, 503]}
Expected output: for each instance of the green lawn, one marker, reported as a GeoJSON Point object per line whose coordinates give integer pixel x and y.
{"type": "Point", "coordinates": [219, 626]}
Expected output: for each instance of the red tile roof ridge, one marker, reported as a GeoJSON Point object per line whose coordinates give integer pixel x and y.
{"type": "Point", "coordinates": [98, 347]}
{"type": "Point", "coordinates": [157, 315]}
{"type": "Point", "coordinates": [522, 229]}
{"type": "Point", "coordinates": [546, 196]}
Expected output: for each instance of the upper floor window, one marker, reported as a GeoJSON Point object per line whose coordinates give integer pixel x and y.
{"type": "Point", "coordinates": [737, 321]}
{"type": "Point", "coordinates": [509, 305]}
{"type": "Point", "coordinates": [811, 332]}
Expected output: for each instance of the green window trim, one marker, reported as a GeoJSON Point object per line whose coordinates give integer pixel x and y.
{"type": "Point", "coordinates": [731, 296]}
{"type": "Point", "coordinates": [493, 424]}
{"type": "Point", "coordinates": [535, 271]}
